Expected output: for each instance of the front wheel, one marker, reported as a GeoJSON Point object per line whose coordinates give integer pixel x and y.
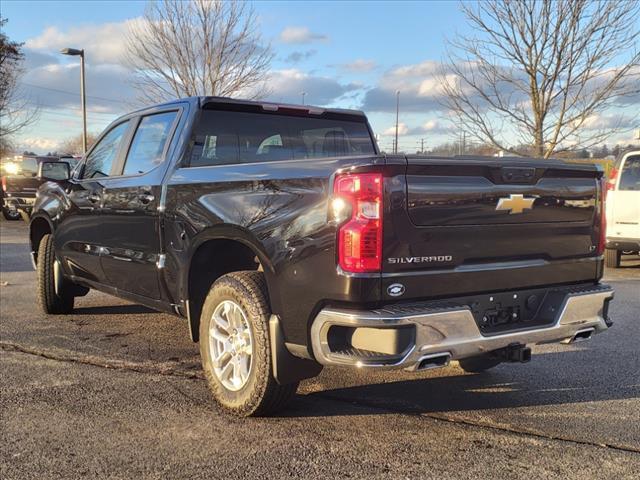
{"type": "Point", "coordinates": [52, 300]}
{"type": "Point", "coordinates": [612, 257]}
{"type": "Point", "coordinates": [10, 214]}
{"type": "Point", "coordinates": [234, 346]}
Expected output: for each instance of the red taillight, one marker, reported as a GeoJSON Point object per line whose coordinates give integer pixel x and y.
{"type": "Point", "coordinates": [611, 183]}
{"type": "Point", "coordinates": [603, 217]}
{"type": "Point", "coordinates": [360, 237]}
{"type": "Point", "coordinates": [4, 184]}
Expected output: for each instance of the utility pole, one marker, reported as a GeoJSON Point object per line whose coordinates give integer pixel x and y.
{"type": "Point", "coordinates": [422, 145]}
{"type": "Point", "coordinates": [303, 94]}
{"type": "Point", "coordinates": [395, 150]}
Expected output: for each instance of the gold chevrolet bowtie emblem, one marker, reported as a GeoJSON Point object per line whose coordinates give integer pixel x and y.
{"type": "Point", "coordinates": [516, 203]}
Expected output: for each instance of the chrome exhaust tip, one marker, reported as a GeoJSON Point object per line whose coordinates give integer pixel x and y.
{"type": "Point", "coordinates": [434, 360]}
{"type": "Point", "coordinates": [582, 335]}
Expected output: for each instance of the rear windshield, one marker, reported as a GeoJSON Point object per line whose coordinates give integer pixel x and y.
{"type": "Point", "coordinates": [630, 176]}
{"type": "Point", "coordinates": [29, 167]}
{"type": "Point", "coordinates": [223, 137]}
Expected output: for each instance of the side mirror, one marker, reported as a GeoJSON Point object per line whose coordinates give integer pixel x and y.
{"type": "Point", "coordinates": [56, 171]}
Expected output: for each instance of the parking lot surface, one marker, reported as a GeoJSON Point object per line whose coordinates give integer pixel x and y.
{"type": "Point", "coordinates": [115, 391]}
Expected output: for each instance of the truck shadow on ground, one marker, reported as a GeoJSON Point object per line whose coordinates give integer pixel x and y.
{"type": "Point", "coordinates": [502, 388]}
{"type": "Point", "coordinates": [127, 309]}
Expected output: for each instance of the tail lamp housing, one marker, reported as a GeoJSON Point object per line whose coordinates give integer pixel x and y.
{"type": "Point", "coordinates": [357, 207]}
{"type": "Point", "coordinates": [602, 240]}
{"type": "Point", "coordinates": [613, 176]}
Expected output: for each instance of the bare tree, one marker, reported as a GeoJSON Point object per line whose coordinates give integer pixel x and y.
{"type": "Point", "coordinates": [15, 110]}
{"type": "Point", "coordinates": [198, 47]}
{"type": "Point", "coordinates": [541, 71]}
{"type": "Point", "coordinates": [73, 145]}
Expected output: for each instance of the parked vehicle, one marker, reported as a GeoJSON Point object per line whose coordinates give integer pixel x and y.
{"type": "Point", "coordinates": [623, 208]}
{"type": "Point", "coordinates": [288, 243]}
{"type": "Point", "coordinates": [20, 183]}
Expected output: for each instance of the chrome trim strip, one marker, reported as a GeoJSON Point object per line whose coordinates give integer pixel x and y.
{"type": "Point", "coordinates": [490, 267]}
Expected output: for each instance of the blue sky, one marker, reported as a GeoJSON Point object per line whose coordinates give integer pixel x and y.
{"type": "Point", "coordinates": [346, 54]}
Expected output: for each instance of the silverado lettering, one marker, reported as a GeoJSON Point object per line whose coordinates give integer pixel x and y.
{"type": "Point", "coordinates": [439, 258]}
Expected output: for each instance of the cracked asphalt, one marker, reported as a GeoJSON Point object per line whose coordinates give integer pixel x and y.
{"type": "Point", "coordinates": [115, 391]}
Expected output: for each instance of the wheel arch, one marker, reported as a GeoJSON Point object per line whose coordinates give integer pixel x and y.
{"type": "Point", "coordinates": [39, 226]}
{"type": "Point", "coordinates": [216, 252]}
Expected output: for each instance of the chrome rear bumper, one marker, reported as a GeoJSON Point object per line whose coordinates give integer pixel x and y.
{"type": "Point", "coordinates": [419, 333]}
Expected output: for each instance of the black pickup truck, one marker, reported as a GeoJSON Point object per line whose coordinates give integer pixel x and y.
{"type": "Point", "coordinates": [19, 186]}
{"type": "Point", "coordinates": [288, 242]}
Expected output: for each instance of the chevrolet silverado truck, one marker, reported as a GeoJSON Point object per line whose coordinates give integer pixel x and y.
{"type": "Point", "coordinates": [289, 243]}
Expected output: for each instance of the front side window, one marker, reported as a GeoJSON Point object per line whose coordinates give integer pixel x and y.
{"type": "Point", "coordinates": [148, 143]}
{"type": "Point", "coordinates": [100, 160]}
{"type": "Point", "coordinates": [630, 176]}
{"type": "Point", "coordinates": [227, 137]}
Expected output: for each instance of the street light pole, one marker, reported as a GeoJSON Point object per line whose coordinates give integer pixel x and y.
{"type": "Point", "coordinates": [395, 150]}
{"type": "Point", "coordinates": [83, 100]}
{"type": "Point", "coordinates": [80, 53]}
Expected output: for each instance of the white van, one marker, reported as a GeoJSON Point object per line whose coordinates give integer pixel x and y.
{"type": "Point", "coordinates": [623, 208]}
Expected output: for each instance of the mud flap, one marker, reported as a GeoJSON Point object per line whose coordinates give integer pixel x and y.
{"type": "Point", "coordinates": [288, 368]}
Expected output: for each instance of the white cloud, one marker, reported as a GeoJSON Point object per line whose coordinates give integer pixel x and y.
{"type": "Point", "coordinates": [300, 35]}
{"type": "Point", "coordinates": [39, 144]}
{"type": "Point", "coordinates": [403, 129]}
{"type": "Point", "coordinates": [419, 86]}
{"type": "Point", "coordinates": [58, 86]}
{"type": "Point", "coordinates": [103, 43]}
{"type": "Point", "coordinates": [429, 127]}
{"type": "Point", "coordinates": [287, 86]}
{"type": "Point", "coordinates": [611, 121]}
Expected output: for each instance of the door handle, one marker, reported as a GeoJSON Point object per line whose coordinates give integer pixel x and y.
{"type": "Point", "coordinates": [146, 198]}
{"type": "Point", "coordinates": [94, 198]}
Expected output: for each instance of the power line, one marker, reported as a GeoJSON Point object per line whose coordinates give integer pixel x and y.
{"type": "Point", "coordinates": [39, 104]}
{"type": "Point", "coordinates": [72, 93]}
{"type": "Point", "coordinates": [48, 111]}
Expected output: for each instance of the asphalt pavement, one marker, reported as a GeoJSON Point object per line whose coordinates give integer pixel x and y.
{"type": "Point", "coordinates": [116, 391]}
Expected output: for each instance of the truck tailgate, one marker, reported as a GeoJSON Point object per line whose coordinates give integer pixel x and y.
{"type": "Point", "coordinates": [478, 224]}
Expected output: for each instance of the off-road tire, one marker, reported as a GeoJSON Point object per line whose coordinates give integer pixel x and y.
{"type": "Point", "coordinates": [261, 395]}
{"type": "Point", "coordinates": [612, 258]}
{"type": "Point", "coordinates": [50, 302]}
{"type": "Point", "coordinates": [478, 364]}
{"type": "Point", "coordinates": [10, 215]}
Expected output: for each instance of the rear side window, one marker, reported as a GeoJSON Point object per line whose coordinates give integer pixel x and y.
{"type": "Point", "coordinates": [148, 143]}
{"type": "Point", "coordinates": [630, 175]}
{"type": "Point", "coordinates": [100, 160]}
{"type": "Point", "coordinates": [240, 137]}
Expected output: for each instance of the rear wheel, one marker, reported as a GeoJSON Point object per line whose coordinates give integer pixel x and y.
{"type": "Point", "coordinates": [10, 214]}
{"type": "Point", "coordinates": [234, 346]}
{"type": "Point", "coordinates": [612, 258]}
{"type": "Point", "coordinates": [478, 364]}
{"type": "Point", "coordinates": [50, 300]}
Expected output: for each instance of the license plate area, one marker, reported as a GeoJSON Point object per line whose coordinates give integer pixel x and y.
{"type": "Point", "coordinates": [508, 311]}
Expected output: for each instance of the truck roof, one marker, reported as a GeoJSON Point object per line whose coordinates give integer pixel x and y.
{"type": "Point", "coordinates": [201, 101]}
